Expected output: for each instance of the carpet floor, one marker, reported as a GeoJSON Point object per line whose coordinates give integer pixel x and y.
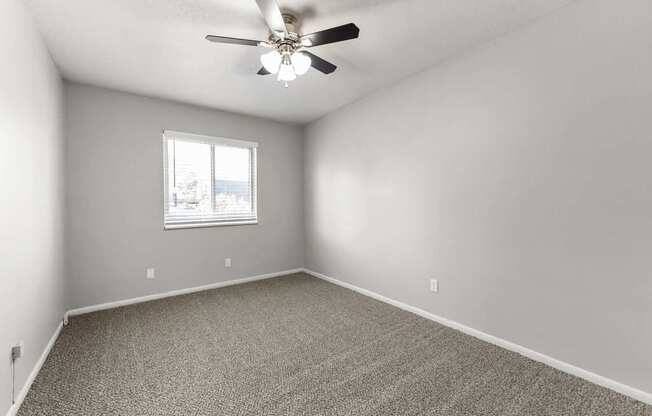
{"type": "Point", "coordinates": [294, 345]}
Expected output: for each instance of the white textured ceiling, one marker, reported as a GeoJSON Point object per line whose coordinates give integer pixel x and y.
{"type": "Point", "coordinates": [157, 47]}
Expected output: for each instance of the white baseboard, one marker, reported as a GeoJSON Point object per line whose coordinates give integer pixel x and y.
{"type": "Point", "coordinates": [125, 302]}
{"type": "Point", "coordinates": [616, 386]}
{"type": "Point", "coordinates": [32, 375]}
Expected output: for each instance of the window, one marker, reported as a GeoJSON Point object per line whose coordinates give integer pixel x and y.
{"type": "Point", "coordinates": [208, 181]}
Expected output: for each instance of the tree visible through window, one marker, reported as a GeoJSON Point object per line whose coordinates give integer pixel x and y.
{"type": "Point", "coordinates": [209, 181]}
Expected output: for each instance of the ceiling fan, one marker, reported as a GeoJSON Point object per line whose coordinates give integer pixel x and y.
{"type": "Point", "coordinates": [289, 56]}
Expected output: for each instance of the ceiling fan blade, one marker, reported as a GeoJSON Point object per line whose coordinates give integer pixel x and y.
{"type": "Point", "coordinates": [235, 41]}
{"type": "Point", "coordinates": [332, 35]}
{"type": "Point", "coordinates": [272, 15]}
{"type": "Point", "coordinates": [263, 71]}
{"type": "Point", "coordinates": [319, 64]}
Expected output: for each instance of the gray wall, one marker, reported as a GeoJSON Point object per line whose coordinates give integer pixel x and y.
{"type": "Point", "coordinates": [520, 175]}
{"type": "Point", "coordinates": [115, 199]}
{"type": "Point", "coordinates": [31, 185]}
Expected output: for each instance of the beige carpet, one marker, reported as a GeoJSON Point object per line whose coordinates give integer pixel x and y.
{"type": "Point", "coordinates": [294, 346]}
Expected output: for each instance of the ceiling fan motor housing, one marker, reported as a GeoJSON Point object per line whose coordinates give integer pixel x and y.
{"type": "Point", "coordinates": [290, 43]}
{"type": "Point", "coordinates": [291, 23]}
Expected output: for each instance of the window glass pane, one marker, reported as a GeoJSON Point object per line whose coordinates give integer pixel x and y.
{"type": "Point", "coordinates": [189, 178]}
{"type": "Point", "coordinates": [233, 180]}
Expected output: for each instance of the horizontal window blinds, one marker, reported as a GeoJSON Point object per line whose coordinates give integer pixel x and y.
{"type": "Point", "coordinates": [208, 180]}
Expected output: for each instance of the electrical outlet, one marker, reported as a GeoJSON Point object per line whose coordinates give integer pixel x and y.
{"type": "Point", "coordinates": [16, 351]}
{"type": "Point", "coordinates": [151, 273]}
{"type": "Point", "coordinates": [227, 262]}
{"type": "Point", "coordinates": [434, 285]}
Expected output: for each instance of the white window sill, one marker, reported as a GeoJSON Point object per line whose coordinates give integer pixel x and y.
{"type": "Point", "coordinates": [208, 224]}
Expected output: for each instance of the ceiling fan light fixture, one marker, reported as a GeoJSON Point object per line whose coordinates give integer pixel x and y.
{"type": "Point", "coordinates": [301, 63]}
{"type": "Point", "coordinates": [271, 61]}
{"type": "Point", "coordinates": [289, 56]}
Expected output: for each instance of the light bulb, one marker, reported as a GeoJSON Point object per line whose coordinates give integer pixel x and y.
{"type": "Point", "coordinates": [301, 63]}
{"type": "Point", "coordinates": [271, 61]}
{"type": "Point", "coordinates": [286, 73]}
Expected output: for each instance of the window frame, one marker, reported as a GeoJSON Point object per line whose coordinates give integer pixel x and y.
{"type": "Point", "coordinates": [218, 141]}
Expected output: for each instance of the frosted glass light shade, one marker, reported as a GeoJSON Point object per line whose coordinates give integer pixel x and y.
{"type": "Point", "coordinates": [301, 63]}
{"type": "Point", "coordinates": [271, 61]}
{"type": "Point", "coordinates": [286, 73]}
